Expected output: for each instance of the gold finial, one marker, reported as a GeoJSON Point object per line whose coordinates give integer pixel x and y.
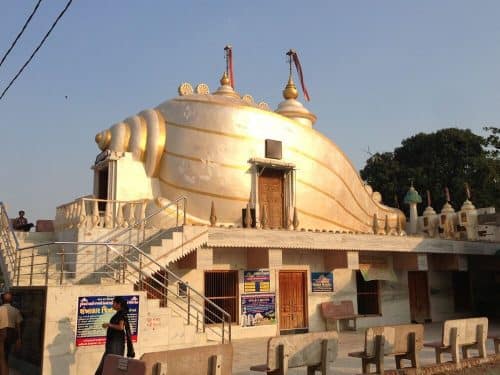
{"type": "Point", "coordinates": [225, 81]}
{"type": "Point", "coordinates": [290, 91]}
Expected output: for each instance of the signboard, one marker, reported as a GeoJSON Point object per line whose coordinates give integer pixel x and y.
{"type": "Point", "coordinates": [322, 281]}
{"type": "Point", "coordinates": [258, 309]}
{"type": "Point", "coordinates": [93, 311]}
{"type": "Point", "coordinates": [256, 281]}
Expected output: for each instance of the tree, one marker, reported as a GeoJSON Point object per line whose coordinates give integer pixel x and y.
{"type": "Point", "coordinates": [447, 158]}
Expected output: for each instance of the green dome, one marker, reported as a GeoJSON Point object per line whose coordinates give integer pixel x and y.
{"type": "Point", "coordinates": [412, 196]}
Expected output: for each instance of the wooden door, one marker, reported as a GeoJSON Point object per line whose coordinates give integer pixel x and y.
{"type": "Point", "coordinates": [292, 300]}
{"type": "Point", "coordinates": [419, 296]}
{"type": "Point", "coordinates": [271, 196]}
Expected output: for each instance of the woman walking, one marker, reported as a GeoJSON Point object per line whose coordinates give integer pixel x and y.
{"type": "Point", "coordinates": [115, 334]}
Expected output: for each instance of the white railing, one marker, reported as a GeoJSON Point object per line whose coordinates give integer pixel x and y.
{"type": "Point", "coordinates": [88, 212]}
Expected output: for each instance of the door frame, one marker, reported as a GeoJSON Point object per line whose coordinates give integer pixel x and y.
{"type": "Point", "coordinates": [305, 289]}
{"type": "Point", "coordinates": [284, 207]}
{"type": "Point", "coordinates": [427, 295]}
{"type": "Point", "coordinates": [289, 186]}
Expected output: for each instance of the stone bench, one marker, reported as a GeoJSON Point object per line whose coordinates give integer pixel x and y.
{"type": "Point", "coordinates": [312, 350]}
{"type": "Point", "coordinates": [209, 359]}
{"type": "Point", "coordinates": [44, 226]}
{"type": "Point", "coordinates": [496, 341]}
{"type": "Point", "coordinates": [335, 312]}
{"type": "Point", "coordinates": [119, 365]}
{"type": "Point", "coordinates": [462, 334]}
{"type": "Point", "coordinates": [402, 341]}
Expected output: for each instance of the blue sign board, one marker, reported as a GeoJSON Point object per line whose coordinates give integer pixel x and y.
{"type": "Point", "coordinates": [322, 281]}
{"type": "Point", "coordinates": [258, 309]}
{"type": "Point", "coordinates": [93, 311]}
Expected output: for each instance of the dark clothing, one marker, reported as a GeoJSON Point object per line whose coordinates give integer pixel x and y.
{"type": "Point", "coordinates": [115, 339]}
{"type": "Point", "coordinates": [21, 223]}
{"type": "Point", "coordinates": [8, 338]}
{"type": "Point", "coordinates": [114, 336]}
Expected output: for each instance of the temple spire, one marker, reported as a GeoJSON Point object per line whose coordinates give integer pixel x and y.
{"type": "Point", "coordinates": [227, 80]}
{"type": "Point", "coordinates": [228, 53]}
{"type": "Point", "coordinates": [291, 107]}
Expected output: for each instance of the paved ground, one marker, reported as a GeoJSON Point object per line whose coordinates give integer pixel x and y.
{"type": "Point", "coordinates": [250, 352]}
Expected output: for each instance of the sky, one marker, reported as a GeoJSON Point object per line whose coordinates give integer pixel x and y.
{"type": "Point", "coordinates": [377, 73]}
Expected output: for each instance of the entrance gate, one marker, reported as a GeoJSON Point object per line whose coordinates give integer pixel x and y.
{"type": "Point", "coordinates": [419, 296]}
{"type": "Point", "coordinates": [292, 300]}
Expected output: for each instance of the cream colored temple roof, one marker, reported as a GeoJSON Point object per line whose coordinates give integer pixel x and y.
{"type": "Point", "coordinates": [283, 239]}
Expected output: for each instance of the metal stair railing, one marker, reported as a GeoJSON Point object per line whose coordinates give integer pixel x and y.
{"type": "Point", "coordinates": [175, 209]}
{"type": "Point", "coordinates": [9, 244]}
{"type": "Point", "coordinates": [126, 263]}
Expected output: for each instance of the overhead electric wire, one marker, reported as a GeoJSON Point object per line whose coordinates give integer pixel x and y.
{"type": "Point", "coordinates": [36, 49]}
{"type": "Point", "coordinates": [21, 32]}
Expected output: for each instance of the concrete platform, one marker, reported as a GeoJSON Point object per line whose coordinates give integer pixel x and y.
{"type": "Point", "coordinates": [248, 352]}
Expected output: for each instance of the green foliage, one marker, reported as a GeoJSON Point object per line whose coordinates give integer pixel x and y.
{"type": "Point", "coordinates": [447, 158]}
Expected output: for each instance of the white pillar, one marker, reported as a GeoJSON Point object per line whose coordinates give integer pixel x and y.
{"type": "Point", "coordinates": [413, 218]}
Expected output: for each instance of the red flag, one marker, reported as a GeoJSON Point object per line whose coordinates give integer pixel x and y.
{"type": "Point", "coordinates": [296, 61]}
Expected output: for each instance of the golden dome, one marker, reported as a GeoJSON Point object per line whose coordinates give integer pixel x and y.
{"type": "Point", "coordinates": [225, 81]}
{"type": "Point", "coordinates": [103, 139]}
{"type": "Point", "coordinates": [290, 91]}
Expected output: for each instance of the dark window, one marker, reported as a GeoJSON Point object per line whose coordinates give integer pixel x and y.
{"type": "Point", "coordinates": [221, 287]}
{"type": "Point", "coordinates": [462, 292]}
{"type": "Point", "coordinates": [368, 295]}
{"type": "Point", "coordinates": [102, 187]}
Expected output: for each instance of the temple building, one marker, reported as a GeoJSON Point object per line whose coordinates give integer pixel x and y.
{"type": "Point", "coordinates": [222, 218]}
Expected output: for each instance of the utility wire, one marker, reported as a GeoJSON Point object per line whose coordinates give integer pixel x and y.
{"type": "Point", "coordinates": [36, 49]}
{"type": "Point", "coordinates": [21, 32]}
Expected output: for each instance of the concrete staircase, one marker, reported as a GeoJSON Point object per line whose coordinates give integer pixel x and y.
{"type": "Point", "coordinates": [173, 332]}
{"type": "Point", "coordinates": [41, 264]}
{"type": "Point", "coordinates": [176, 244]}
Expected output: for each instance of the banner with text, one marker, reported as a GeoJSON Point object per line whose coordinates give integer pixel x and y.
{"type": "Point", "coordinates": [93, 311]}
{"type": "Point", "coordinates": [258, 309]}
{"type": "Point", "coordinates": [256, 281]}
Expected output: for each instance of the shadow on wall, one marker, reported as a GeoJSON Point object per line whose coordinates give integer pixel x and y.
{"type": "Point", "coordinates": [62, 348]}
{"type": "Point", "coordinates": [31, 303]}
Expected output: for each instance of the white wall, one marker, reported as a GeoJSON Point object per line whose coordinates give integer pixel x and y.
{"type": "Point", "coordinates": [158, 329]}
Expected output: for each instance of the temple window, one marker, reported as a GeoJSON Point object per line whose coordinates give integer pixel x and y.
{"type": "Point", "coordinates": [367, 295]}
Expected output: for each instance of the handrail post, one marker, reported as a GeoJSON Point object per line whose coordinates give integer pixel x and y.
{"type": "Point", "coordinates": [124, 267]}
{"type": "Point", "coordinates": [47, 268]}
{"type": "Point", "coordinates": [61, 276]}
{"type": "Point", "coordinates": [222, 333]}
{"type": "Point", "coordinates": [18, 267]}
{"type": "Point", "coordinates": [31, 266]}
{"type": "Point", "coordinates": [177, 214]}
{"type": "Point", "coordinates": [189, 304]}
{"type": "Point", "coordinates": [185, 208]}
{"type": "Point", "coordinates": [229, 326]}
{"type": "Point", "coordinates": [140, 271]}
{"type": "Point", "coordinates": [204, 317]}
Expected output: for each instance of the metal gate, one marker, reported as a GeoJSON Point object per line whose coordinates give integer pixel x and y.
{"type": "Point", "coordinates": [221, 287]}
